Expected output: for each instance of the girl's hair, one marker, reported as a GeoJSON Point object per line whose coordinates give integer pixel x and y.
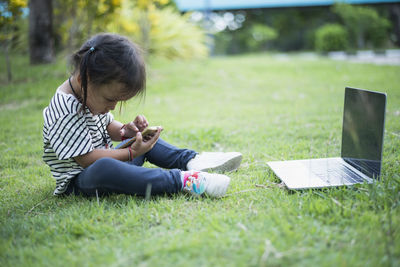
{"type": "Point", "coordinates": [107, 58]}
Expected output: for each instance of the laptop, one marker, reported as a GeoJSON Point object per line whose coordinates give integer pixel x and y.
{"type": "Point", "coordinates": [361, 151]}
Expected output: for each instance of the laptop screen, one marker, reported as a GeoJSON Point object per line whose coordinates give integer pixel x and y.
{"type": "Point", "coordinates": [363, 130]}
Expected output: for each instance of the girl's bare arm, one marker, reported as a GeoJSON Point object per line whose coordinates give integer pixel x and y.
{"type": "Point", "coordinates": [113, 130]}
{"type": "Point", "coordinates": [139, 147]}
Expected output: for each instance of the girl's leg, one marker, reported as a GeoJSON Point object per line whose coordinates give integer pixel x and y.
{"type": "Point", "coordinates": [167, 156]}
{"type": "Point", "coordinates": [108, 175]}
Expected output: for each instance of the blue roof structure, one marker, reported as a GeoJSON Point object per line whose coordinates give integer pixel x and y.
{"type": "Point", "coordinates": [200, 5]}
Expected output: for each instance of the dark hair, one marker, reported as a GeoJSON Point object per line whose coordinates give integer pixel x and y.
{"type": "Point", "coordinates": [107, 58]}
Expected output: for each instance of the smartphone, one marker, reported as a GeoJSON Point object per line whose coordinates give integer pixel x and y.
{"type": "Point", "coordinates": [149, 131]}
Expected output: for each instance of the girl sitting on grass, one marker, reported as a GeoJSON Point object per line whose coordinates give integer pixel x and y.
{"type": "Point", "coordinates": [79, 129]}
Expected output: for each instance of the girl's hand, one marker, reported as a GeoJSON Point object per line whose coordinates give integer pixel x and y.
{"type": "Point", "coordinates": [138, 125]}
{"type": "Point", "coordinates": [141, 122]}
{"type": "Point", "coordinates": [141, 146]}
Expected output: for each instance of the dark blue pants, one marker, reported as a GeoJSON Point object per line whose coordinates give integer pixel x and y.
{"type": "Point", "coordinates": [108, 175]}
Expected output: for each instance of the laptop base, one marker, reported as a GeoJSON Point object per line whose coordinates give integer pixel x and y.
{"type": "Point", "coordinates": [317, 173]}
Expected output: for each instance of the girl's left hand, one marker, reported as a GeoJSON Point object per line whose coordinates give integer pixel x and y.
{"type": "Point", "coordinates": [138, 125]}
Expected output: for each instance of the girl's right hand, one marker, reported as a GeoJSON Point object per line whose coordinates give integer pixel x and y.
{"type": "Point", "coordinates": [141, 146]}
{"type": "Point", "coordinates": [138, 125]}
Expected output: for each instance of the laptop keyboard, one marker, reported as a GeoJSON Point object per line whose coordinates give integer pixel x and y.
{"type": "Point", "coordinates": [337, 173]}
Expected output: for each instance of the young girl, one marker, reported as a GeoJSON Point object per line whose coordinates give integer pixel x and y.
{"type": "Point", "coordinates": [78, 130]}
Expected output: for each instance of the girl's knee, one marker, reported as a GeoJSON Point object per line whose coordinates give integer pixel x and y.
{"type": "Point", "coordinates": [104, 165]}
{"type": "Point", "coordinates": [105, 162]}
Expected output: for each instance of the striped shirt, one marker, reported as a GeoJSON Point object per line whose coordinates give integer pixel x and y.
{"type": "Point", "coordinates": [68, 133]}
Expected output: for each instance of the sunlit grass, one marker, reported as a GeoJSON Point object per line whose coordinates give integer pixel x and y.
{"type": "Point", "coordinates": [265, 106]}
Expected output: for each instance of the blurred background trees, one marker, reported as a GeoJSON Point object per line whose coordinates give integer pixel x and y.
{"type": "Point", "coordinates": [12, 28]}
{"type": "Point", "coordinates": [156, 25]}
{"type": "Point", "coordinates": [76, 20]}
{"type": "Point", "coordinates": [331, 37]}
{"type": "Point", "coordinates": [159, 28]}
{"type": "Point", "coordinates": [339, 27]}
{"type": "Point", "coordinates": [162, 30]}
{"type": "Point", "coordinates": [365, 27]}
{"type": "Point", "coordinates": [46, 27]}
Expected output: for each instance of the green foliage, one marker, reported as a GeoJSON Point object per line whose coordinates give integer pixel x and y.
{"type": "Point", "coordinates": [10, 11]}
{"type": "Point", "coordinates": [331, 37]}
{"type": "Point", "coordinates": [251, 38]}
{"type": "Point", "coordinates": [288, 29]}
{"type": "Point", "coordinates": [378, 32]}
{"type": "Point", "coordinates": [13, 28]}
{"type": "Point", "coordinates": [156, 26]}
{"type": "Point", "coordinates": [173, 36]}
{"type": "Point", "coordinates": [75, 21]}
{"type": "Point", "coordinates": [10, 29]}
{"type": "Point", "coordinates": [364, 25]}
{"type": "Point", "coordinates": [244, 103]}
{"type": "Point", "coordinates": [20, 42]}
{"type": "Point", "coordinates": [260, 34]}
{"type": "Point", "coordinates": [367, 27]}
{"type": "Point", "coordinates": [296, 26]}
{"type": "Point", "coordinates": [161, 31]}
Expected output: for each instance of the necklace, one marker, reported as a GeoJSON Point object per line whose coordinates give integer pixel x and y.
{"type": "Point", "coordinates": [73, 91]}
{"type": "Point", "coordinates": [102, 132]}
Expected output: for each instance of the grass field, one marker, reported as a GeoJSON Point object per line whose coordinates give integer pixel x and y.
{"type": "Point", "coordinates": [269, 108]}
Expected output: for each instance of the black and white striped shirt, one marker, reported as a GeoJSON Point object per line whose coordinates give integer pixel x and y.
{"type": "Point", "coordinates": [68, 133]}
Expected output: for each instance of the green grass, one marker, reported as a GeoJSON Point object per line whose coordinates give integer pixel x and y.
{"type": "Point", "coordinates": [265, 106]}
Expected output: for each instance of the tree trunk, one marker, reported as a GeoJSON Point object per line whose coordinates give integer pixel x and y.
{"type": "Point", "coordinates": [72, 30]}
{"type": "Point", "coordinates": [395, 17]}
{"type": "Point", "coordinates": [41, 31]}
{"type": "Point", "coordinates": [8, 63]}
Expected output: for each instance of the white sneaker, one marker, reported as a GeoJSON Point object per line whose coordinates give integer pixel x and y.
{"type": "Point", "coordinates": [215, 161]}
{"type": "Point", "coordinates": [212, 184]}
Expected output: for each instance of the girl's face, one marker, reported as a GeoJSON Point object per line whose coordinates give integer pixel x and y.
{"type": "Point", "coordinates": [103, 98]}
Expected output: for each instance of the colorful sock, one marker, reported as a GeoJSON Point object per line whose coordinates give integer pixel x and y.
{"type": "Point", "coordinates": [197, 183]}
{"type": "Point", "coordinates": [193, 182]}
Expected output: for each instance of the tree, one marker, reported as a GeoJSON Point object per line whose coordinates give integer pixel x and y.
{"type": "Point", "coordinates": [395, 17]}
{"type": "Point", "coordinates": [331, 37]}
{"type": "Point", "coordinates": [159, 29]}
{"type": "Point", "coordinates": [41, 31]}
{"type": "Point", "coordinates": [364, 25]}
{"type": "Point", "coordinates": [76, 20]}
{"type": "Point", "coordinates": [10, 12]}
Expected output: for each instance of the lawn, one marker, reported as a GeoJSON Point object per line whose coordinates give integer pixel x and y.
{"type": "Point", "coordinates": [268, 107]}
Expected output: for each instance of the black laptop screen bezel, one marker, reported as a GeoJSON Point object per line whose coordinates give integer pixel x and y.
{"type": "Point", "coordinates": [366, 164]}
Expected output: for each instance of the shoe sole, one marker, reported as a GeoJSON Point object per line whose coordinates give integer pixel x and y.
{"type": "Point", "coordinates": [230, 165]}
